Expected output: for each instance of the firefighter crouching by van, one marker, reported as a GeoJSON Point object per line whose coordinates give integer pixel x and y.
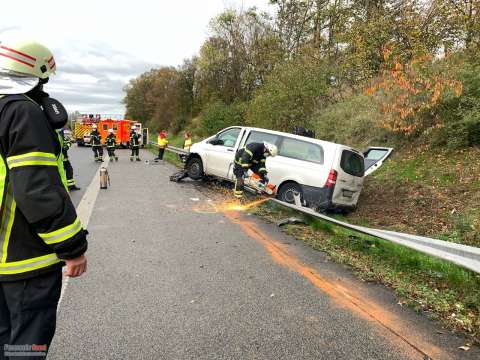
{"type": "Point", "coordinates": [162, 144]}
{"type": "Point", "coordinates": [66, 145]}
{"type": "Point", "coordinates": [111, 143]}
{"type": "Point", "coordinates": [40, 228]}
{"type": "Point", "coordinates": [96, 141]}
{"type": "Point", "coordinates": [135, 144]}
{"type": "Point", "coordinates": [251, 157]}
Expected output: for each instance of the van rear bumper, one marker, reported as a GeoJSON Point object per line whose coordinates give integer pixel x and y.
{"type": "Point", "coordinates": [318, 198]}
{"type": "Point", "coordinates": [321, 198]}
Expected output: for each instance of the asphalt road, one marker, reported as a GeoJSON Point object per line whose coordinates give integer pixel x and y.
{"type": "Point", "coordinates": [173, 277]}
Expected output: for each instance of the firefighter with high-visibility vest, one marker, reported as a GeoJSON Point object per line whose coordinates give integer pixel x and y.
{"type": "Point", "coordinates": [162, 144]}
{"type": "Point", "coordinates": [251, 157]}
{"type": "Point", "coordinates": [187, 144]}
{"type": "Point", "coordinates": [96, 141]}
{"type": "Point", "coordinates": [40, 231]}
{"type": "Point", "coordinates": [135, 144]}
{"type": "Point", "coordinates": [66, 145]}
{"type": "Point", "coordinates": [111, 143]}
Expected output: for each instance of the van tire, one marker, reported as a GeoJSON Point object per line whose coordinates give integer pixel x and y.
{"type": "Point", "coordinates": [195, 168]}
{"type": "Point", "coordinates": [285, 193]}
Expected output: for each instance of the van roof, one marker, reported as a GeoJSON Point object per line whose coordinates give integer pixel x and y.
{"type": "Point", "coordinates": [304, 138]}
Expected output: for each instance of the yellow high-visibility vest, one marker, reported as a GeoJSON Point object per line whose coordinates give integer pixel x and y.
{"type": "Point", "coordinates": [187, 144]}
{"type": "Point", "coordinates": [162, 142]}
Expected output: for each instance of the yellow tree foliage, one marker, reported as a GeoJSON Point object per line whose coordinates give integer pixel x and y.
{"type": "Point", "coordinates": [408, 92]}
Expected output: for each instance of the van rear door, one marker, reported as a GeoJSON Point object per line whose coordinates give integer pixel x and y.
{"type": "Point", "coordinates": [374, 158]}
{"type": "Point", "coordinates": [350, 169]}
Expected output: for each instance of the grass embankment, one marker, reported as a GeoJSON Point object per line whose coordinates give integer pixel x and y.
{"type": "Point", "coordinates": [428, 193]}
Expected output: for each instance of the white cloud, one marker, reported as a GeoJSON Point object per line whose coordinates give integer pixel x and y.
{"type": "Point", "coordinates": [100, 45]}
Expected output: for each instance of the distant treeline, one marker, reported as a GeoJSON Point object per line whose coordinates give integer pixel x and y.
{"type": "Point", "coordinates": [353, 70]}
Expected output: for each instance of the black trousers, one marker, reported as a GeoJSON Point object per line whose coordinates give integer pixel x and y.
{"type": "Point", "coordinates": [97, 151]}
{"type": "Point", "coordinates": [135, 151]}
{"type": "Point", "coordinates": [239, 173]}
{"type": "Point", "coordinates": [28, 313]}
{"type": "Point", "coordinates": [161, 151]}
{"type": "Point", "coordinates": [111, 151]}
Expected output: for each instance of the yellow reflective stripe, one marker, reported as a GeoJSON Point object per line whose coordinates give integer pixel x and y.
{"type": "Point", "coordinates": [262, 169]}
{"type": "Point", "coordinates": [62, 234]}
{"type": "Point", "coordinates": [35, 153]}
{"type": "Point", "coordinates": [32, 159]}
{"type": "Point", "coordinates": [17, 267]}
{"type": "Point", "coordinates": [248, 152]}
{"type": "Point", "coordinates": [7, 223]}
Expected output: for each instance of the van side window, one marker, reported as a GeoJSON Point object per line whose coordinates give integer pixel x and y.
{"type": "Point", "coordinates": [229, 137]}
{"type": "Point", "coordinates": [257, 136]}
{"type": "Point", "coordinates": [301, 150]}
{"type": "Point", "coordinates": [352, 163]}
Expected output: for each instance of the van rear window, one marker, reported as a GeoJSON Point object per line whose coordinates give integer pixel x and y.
{"type": "Point", "coordinates": [352, 163]}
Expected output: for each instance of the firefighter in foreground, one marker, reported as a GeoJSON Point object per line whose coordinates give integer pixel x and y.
{"type": "Point", "coordinates": [40, 231]}
{"type": "Point", "coordinates": [135, 144]}
{"type": "Point", "coordinates": [252, 157]}
{"type": "Point", "coordinates": [96, 141]}
{"type": "Point", "coordinates": [111, 142]}
{"type": "Point", "coordinates": [66, 144]}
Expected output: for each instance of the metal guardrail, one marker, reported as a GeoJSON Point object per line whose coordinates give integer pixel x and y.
{"type": "Point", "coordinates": [462, 255]}
{"type": "Point", "coordinates": [173, 149]}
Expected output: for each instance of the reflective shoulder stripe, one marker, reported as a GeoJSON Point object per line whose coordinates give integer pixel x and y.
{"type": "Point", "coordinates": [248, 152]}
{"type": "Point", "coordinates": [62, 234]}
{"type": "Point", "coordinates": [17, 267]}
{"type": "Point", "coordinates": [32, 159]}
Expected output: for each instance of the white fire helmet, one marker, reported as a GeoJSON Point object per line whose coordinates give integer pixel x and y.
{"type": "Point", "coordinates": [271, 149]}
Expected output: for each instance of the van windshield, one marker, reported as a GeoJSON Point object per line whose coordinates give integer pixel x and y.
{"type": "Point", "coordinates": [352, 163]}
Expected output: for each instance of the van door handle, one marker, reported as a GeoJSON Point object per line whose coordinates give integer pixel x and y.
{"type": "Point", "coordinates": [231, 150]}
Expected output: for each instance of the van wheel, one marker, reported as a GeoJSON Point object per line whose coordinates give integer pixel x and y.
{"type": "Point", "coordinates": [195, 168]}
{"type": "Point", "coordinates": [286, 192]}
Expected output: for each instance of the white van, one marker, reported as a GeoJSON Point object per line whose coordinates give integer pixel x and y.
{"type": "Point", "coordinates": [327, 175]}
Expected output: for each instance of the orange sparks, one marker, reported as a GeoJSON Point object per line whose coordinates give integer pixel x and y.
{"type": "Point", "coordinates": [211, 207]}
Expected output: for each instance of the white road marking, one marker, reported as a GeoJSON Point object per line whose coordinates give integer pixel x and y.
{"type": "Point", "coordinates": [84, 212]}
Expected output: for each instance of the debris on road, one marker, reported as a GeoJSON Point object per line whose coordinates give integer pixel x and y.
{"type": "Point", "coordinates": [291, 221]}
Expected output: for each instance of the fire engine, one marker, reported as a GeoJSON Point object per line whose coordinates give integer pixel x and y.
{"type": "Point", "coordinates": [121, 129]}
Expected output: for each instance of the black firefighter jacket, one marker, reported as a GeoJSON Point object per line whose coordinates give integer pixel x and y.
{"type": "Point", "coordinates": [39, 225]}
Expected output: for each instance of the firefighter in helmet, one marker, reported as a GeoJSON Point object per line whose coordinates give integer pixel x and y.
{"type": "Point", "coordinates": [67, 142]}
{"type": "Point", "coordinates": [251, 157]}
{"type": "Point", "coordinates": [135, 144]}
{"type": "Point", "coordinates": [111, 142]}
{"type": "Point", "coordinates": [40, 231]}
{"type": "Point", "coordinates": [96, 141]}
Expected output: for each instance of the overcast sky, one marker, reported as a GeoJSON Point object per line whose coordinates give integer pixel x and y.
{"type": "Point", "coordinates": [101, 44]}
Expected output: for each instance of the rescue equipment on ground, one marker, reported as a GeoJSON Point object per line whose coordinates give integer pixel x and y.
{"type": "Point", "coordinates": [255, 182]}
{"type": "Point", "coordinates": [104, 178]}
